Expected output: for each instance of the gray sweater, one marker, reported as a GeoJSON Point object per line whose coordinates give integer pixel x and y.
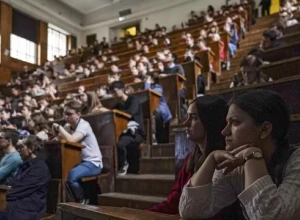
{"type": "Point", "coordinates": [260, 201]}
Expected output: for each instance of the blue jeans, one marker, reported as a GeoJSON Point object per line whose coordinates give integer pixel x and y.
{"type": "Point", "coordinates": [83, 169]}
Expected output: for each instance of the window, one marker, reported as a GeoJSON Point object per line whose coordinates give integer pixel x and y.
{"type": "Point", "coordinates": [57, 43]}
{"type": "Point", "coordinates": [22, 49]}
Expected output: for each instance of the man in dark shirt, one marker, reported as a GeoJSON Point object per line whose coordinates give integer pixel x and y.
{"type": "Point", "coordinates": [26, 200]}
{"type": "Point", "coordinates": [173, 68]}
{"type": "Point", "coordinates": [135, 134]}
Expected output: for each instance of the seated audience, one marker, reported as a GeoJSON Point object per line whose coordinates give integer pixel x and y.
{"type": "Point", "coordinates": [143, 69]}
{"type": "Point", "coordinates": [257, 167]}
{"type": "Point", "coordinates": [11, 158]}
{"type": "Point", "coordinates": [26, 199]}
{"type": "Point", "coordinates": [102, 92]}
{"type": "Point", "coordinates": [90, 103]}
{"type": "Point", "coordinates": [38, 125]}
{"type": "Point", "coordinates": [81, 90]}
{"type": "Point", "coordinates": [79, 130]}
{"type": "Point", "coordinates": [53, 112]}
{"type": "Point", "coordinates": [6, 113]}
{"type": "Point", "coordinates": [113, 77]}
{"type": "Point", "coordinates": [287, 18]}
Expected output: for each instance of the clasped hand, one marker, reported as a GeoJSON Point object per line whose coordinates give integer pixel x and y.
{"type": "Point", "coordinates": [230, 160]}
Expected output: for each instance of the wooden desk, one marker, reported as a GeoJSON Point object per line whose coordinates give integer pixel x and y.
{"type": "Point", "coordinates": [225, 37]}
{"type": "Point", "coordinates": [282, 53]}
{"type": "Point", "coordinates": [192, 71]}
{"type": "Point", "coordinates": [72, 211]}
{"type": "Point", "coordinates": [290, 38]}
{"type": "Point", "coordinates": [149, 100]}
{"type": "Point", "coordinates": [216, 63]}
{"type": "Point", "coordinates": [288, 88]}
{"type": "Point", "coordinates": [292, 29]}
{"type": "Point", "coordinates": [3, 191]}
{"type": "Point", "coordinates": [206, 59]}
{"type": "Point", "coordinates": [282, 68]}
{"type": "Point", "coordinates": [172, 84]}
{"type": "Point", "coordinates": [61, 157]}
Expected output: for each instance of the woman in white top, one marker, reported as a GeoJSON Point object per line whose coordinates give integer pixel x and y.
{"type": "Point", "coordinates": [259, 167]}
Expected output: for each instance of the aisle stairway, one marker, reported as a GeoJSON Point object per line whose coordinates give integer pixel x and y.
{"type": "Point", "coordinates": [157, 173]}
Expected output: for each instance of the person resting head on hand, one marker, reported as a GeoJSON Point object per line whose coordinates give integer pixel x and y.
{"type": "Point", "coordinates": [258, 167]}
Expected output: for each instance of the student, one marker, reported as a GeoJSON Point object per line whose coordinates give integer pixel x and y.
{"type": "Point", "coordinates": [79, 130]}
{"type": "Point", "coordinates": [205, 121]}
{"type": "Point", "coordinates": [102, 92]}
{"type": "Point", "coordinates": [249, 72]}
{"type": "Point", "coordinates": [5, 115]}
{"type": "Point", "coordinates": [259, 167]}
{"type": "Point", "coordinates": [38, 125]}
{"type": "Point", "coordinates": [135, 134]}
{"type": "Point", "coordinates": [11, 159]}
{"type": "Point", "coordinates": [90, 103]}
{"type": "Point", "coordinates": [269, 40]}
{"type": "Point", "coordinates": [26, 199]}
{"type": "Point", "coordinates": [162, 113]}
{"type": "Point", "coordinates": [172, 66]}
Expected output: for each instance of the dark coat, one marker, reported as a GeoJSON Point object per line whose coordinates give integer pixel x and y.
{"type": "Point", "coordinates": [26, 200]}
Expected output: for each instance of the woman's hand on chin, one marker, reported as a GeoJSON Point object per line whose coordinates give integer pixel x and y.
{"type": "Point", "coordinates": [238, 158]}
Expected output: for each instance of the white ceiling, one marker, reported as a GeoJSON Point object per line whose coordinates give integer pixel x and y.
{"type": "Point", "coordinates": [88, 6]}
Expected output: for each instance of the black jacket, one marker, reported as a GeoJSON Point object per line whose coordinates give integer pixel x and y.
{"type": "Point", "coordinates": [133, 107]}
{"type": "Point", "coordinates": [26, 200]}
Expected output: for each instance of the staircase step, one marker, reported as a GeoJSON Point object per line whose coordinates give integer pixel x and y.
{"type": "Point", "coordinates": [163, 150]}
{"type": "Point", "coordinates": [157, 165]}
{"type": "Point", "coordinates": [145, 184]}
{"type": "Point", "coordinates": [128, 200]}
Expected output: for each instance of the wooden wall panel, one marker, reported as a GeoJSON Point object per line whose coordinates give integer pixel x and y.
{"type": "Point", "coordinates": [42, 43]}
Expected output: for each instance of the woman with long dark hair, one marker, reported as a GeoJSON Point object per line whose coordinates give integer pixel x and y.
{"type": "Point", "coordinates": [205, 121]}
{"type": "Point", "coordinates": [259, 167]}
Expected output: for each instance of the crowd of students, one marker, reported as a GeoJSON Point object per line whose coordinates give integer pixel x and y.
{"type": "Point", "coordinates": [27, 113]}
{"type": "Point", "coordinates": [250, 66]}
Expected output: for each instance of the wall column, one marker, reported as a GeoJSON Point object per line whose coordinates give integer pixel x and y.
{"type": "Point", "coordinates": [42, 44]}
{"type": "Point", "coordinates": [6, 28]}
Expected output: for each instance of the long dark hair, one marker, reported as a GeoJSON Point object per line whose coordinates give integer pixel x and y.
{"type": "Point", "coordinates": [212, 112]}
{"type": "Point", "coordinates": [265, 105]}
